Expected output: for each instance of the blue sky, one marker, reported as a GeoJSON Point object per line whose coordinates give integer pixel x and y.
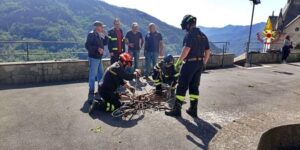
{"type": "Point", "coordinates": [210, 13]}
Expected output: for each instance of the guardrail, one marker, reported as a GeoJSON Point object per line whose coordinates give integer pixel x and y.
{"type": "Point", "coordinates": [258, 47]}
{"type": "Point", "coordinates": [28, 50]}
{"type": "Point", "coordinates": [15, 51]}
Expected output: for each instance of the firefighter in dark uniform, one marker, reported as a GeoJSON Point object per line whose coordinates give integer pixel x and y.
{"type": "Point", "coordinates": [116, 41]}
{"type": "Point", "coordinates": [164, 72]}
{"type": "Point", "coordinates": [194, 56]}
{"type": "Point", "coordinates": [114, 77]}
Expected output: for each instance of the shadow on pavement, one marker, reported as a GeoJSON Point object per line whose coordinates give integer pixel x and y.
{"type": "Point", "coordinates": [109, 120]}
{"type": "Point", "coordinates": [85, 107]}
{"type": "Point", "coordinates": [116, 122]}
{"type": "Point", "coordinates": [283, 72]}
{"type": "Point", "coordinates": [294, 65]}
{"type": "Point", "coordinates": [203, 130]}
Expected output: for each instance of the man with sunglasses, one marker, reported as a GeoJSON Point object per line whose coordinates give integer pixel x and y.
{"type": "Point", "coordinates": [116, 42]}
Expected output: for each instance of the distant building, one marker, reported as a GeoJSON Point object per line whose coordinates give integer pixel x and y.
{"type": "Point", "coordinates": [286, 23]}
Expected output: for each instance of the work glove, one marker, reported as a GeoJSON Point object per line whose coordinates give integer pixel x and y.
{"type": "Point", "coordinates": [178, 65]}
{"type": "Point", "coordinates": [137, 73]}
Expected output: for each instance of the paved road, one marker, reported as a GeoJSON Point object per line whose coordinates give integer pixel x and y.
{"type": "Point", "coordinates": [53, 117]}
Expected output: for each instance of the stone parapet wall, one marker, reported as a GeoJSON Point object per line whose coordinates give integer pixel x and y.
{"type": "Point", "coordinates": [261, 58]}
{"type": "Point", "coordinates": [69, 70]}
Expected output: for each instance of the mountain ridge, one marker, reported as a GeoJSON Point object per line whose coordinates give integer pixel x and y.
{"type": "Point", "coordinates": [237, 35]}
{"type": "Point", "coordinates": [71, 20]}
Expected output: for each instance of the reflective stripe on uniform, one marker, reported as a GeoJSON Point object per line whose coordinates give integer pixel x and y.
{"type": "Point", "coordinates": [112, 72]}
{"type": "Point", "coordinates": [115, 49]}
{"type": "Point", "coordinates": [155, 81]}
{"type": "Point", "coordinates": [107, 106]}
{"type": "Point", "coordinates": [157, 66]}
{"type": "Point", "coordinates": [158, 83]}
{"type": "Point", "coordinates": [112, 107]}
{"type": "Point", "coordinates": [191, 17]}
{"type": "Point", "coordinates": [113, 39]}
{"type": "Point", "coordinates": [194, 97]}
{"type": "Point", "coordinates": [180, 98]}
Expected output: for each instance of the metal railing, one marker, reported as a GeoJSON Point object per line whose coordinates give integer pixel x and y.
{"type": "Point", "coordinates": [39, 50]}
{"type": "Point", "coordinates": [220, 48]}
{"type": "Point", "coordinates": [14, 51]}
{"type": "Point", "coordinates": [258, 47]}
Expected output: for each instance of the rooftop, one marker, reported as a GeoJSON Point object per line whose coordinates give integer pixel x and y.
{"type": "Point", "coordinates": [291, 11]}
{"type": "Point", "coordinates": [53, 116]}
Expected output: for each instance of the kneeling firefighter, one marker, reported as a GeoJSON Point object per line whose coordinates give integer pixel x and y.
{"type": "Point", "coordinates": [113, 78]}
{"type": "Point", "coordinates": [194, 55]}
{"type": "Point", "coordinates": [164, 72]}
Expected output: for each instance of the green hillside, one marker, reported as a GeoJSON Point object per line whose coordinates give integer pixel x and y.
{"type": "Point", "coordinates": [71, 20]}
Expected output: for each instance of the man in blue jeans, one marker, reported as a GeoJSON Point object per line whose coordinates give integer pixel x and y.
{"type": "Point", "coordinates": [134, 40]}
{"type": "Point", "coordinates": [153, 48]}
{"type": "Point", "coordinates": [96, 40]}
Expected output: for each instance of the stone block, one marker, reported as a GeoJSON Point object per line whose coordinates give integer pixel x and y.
{"type": "Point", "coordinates": [56, 72]}
{"type": "Point", "coordinates": [55, 66]}
{"type": "Point", "coordinates": [49, 70]}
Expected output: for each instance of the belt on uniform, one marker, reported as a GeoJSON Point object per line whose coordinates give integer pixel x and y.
{"type": "Point", "coordinates": [194, 59]}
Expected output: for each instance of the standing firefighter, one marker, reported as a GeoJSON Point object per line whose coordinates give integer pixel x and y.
{"type": "Point", "coordinates": [116, 43]}
{"type": "Point", "coordinates": [194, 55]}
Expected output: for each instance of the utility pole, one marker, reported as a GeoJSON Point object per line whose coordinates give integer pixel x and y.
{"type": "Point", "coordinates": [247, 64]}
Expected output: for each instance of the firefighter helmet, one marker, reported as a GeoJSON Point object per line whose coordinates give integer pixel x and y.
{"type": "Point", "coordinates": [126, 59]}
{"type": "Point", "coordinates": [187, 20]}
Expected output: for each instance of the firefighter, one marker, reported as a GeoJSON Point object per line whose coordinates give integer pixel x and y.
{"type": "Point", "coordinates": [164, 72]}
{"type": "Point", "coordinates": [116, 42]}
{"type": "Point", "coordinates": [194, 56]}
{"type": "Point", "coordinates": [114, 77]}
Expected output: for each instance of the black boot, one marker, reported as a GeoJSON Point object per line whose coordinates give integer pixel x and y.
{"type": "Point", "coordinates": [192, 111]}
{"type": "Point", "coordinates": [158, 90]}
{"type": "Point", "coordinates": [173, 93]}
{"type": "Point", "coordinates": [96, 105]}
{"type": "Point", "coordinates": [176, 110]}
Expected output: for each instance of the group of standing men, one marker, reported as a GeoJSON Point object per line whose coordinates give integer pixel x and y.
{"type": "Point", "coordinates": [117, 44]}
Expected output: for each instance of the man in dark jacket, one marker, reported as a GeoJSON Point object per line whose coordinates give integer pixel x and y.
{"type": "Point", "coordinates": [116, 42]}
{"type": "Point", "coordinates": [96, 40]}
{"type": "Point", "coordinates": [114, 77]}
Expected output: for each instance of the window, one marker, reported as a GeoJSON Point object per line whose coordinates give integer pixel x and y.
{"type": "Point", "coordinates": [297, 29]}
